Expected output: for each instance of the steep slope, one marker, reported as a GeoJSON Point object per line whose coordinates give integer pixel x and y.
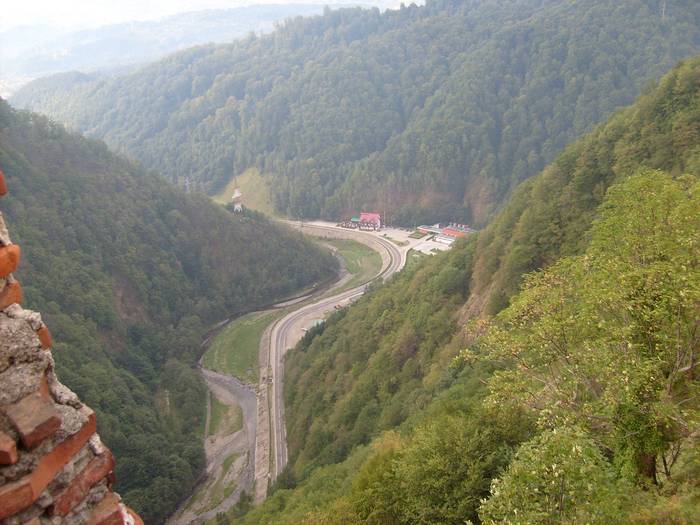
{"type": "Point", "coordinates": [52, 463]}
{"type": "Point", "coordinates": [389, 361]}
{"type": "Point", "coordinates": [548, 216]}
{"type": "Point", "coordinates": [425, 112]}
{"type": "Point", "coordinates": [129, 272]}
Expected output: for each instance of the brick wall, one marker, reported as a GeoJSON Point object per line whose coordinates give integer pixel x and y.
{"type": "Point", "coordinates": [53, 467]}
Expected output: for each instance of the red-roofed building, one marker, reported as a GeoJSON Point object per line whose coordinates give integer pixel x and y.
{"type": "Point", "coordinates": [371, 219]}
{"type": "Point", "coordinates": [457, 230]}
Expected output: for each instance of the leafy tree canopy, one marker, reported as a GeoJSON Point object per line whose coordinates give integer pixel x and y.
{"type": "Point", "coordinates": [426, 113]}
{"type": "Point", "coordinates": [129, 272]}
{"type": "Point", "coordinates": [608, 340]}
{"type": "Point", "coordinates": [594, 356]}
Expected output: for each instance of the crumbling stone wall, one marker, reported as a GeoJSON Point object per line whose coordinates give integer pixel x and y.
{"type": "Point", "coordinates": [53, 467]}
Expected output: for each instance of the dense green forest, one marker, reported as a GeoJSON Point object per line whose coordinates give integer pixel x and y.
{"type": "Point", "coordinates": [426, 112]}
{"type": "Point", "coordinates": [128, 272]}
{"type": "Point", "coordinates": [572, 397]}
{"type": "Point", "coordinates": [29, 51]}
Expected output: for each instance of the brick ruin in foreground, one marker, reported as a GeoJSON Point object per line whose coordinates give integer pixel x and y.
{"type": "Point", "coordinates": [53, 467]}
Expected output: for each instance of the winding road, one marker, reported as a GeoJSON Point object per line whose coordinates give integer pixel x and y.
{"type": "Point", "coordinates": [288, 330]}
{"type": "Point", "coordinates": [262, 443]}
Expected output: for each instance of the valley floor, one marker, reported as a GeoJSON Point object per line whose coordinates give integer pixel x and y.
{"type": "Point", "coordinates": [229, 455]}
{"type": "Point", "coordinates": [250, 458]}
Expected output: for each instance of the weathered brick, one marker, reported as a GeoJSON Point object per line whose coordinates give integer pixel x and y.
{"type": "Point", "coordinates": [17, 345]}
{"type": "Point", "coordinates": [15, 497]}
{"type": "Point", "coordinates": [8, 450]}
{"type": "Point", "coordinates": [34, 417]}
{"type": "Point", "coordinates": [107, 512]}
{"type": "Point", "coordinates": [81, 484]}
{"type": "Point", "coordinates": [44, 388]}
{"type": "Point", "coordinates": [137, 519]}
{"type": "Point", "coordinates": [32, 318]}
{"type": "Point", "coordinates": [9, 259]}
{"type": "Point", "coordinates": [19, 495]}
{"type": "Point", "coordinates": [11, 294]}
{"type": "Point", "coordinates": [3, 184]}
{"type": "Point", "coordinates": [44, 336]}
{"type": "Point", "coordinates": [62, 453]}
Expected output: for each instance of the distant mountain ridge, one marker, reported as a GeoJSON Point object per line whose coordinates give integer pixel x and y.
{"type": "Point", "coordinates": [425, 113]}
{"type": "Point", "coordinates": [33, 51]}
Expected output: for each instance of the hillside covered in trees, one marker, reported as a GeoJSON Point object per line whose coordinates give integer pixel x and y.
{"type": "Point", "coordinates": [545, 371]}
{"type": "Point", "coordinates": [427, 112]}
{"type": "Point", "coordinates": [129, 272]}
{"type": "Point", "coordinates": [30, 51]}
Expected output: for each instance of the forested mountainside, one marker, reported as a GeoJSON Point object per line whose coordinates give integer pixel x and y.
{"type": "Point", "coordinates": [129, 272]}
{"type": "Point", "coordinates": [576, 403]}
{"type": "Point", "coordinates": [32, 51]}
{"type": "Point", "coordinates": [426, 113]}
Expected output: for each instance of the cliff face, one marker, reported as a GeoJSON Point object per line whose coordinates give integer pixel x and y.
{"type": "Point", "coordinates": [53, 467]}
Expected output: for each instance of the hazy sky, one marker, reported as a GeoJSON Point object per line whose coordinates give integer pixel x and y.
{"type": "Point", "coordinates": [82, 13]}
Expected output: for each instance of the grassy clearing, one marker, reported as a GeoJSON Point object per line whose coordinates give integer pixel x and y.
{"type": "Point", "coordinates": [196, 498]}
{"type": "Point", "coordinates": [235, 350]}
{"type": "Point", "coordinates": [228, 462]}
{"type": "Point", "coordinates": [395, 241]}
{"type": "Point", "coordinates": [417, 235]}
{"type": "Point", "coordinates": [221, 489]}
{"type": "Point", "coordinates": [256, 194]}
{"type": "Point", "coordinates": [225, 419]}
{"type": "Point", "coordinates": [215, 490]}
{"type": "Point", "coordinates": [361, 260]}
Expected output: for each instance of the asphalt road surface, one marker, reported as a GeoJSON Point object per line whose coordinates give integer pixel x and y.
{"type": "Point", "coordinates": [286, 332]}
